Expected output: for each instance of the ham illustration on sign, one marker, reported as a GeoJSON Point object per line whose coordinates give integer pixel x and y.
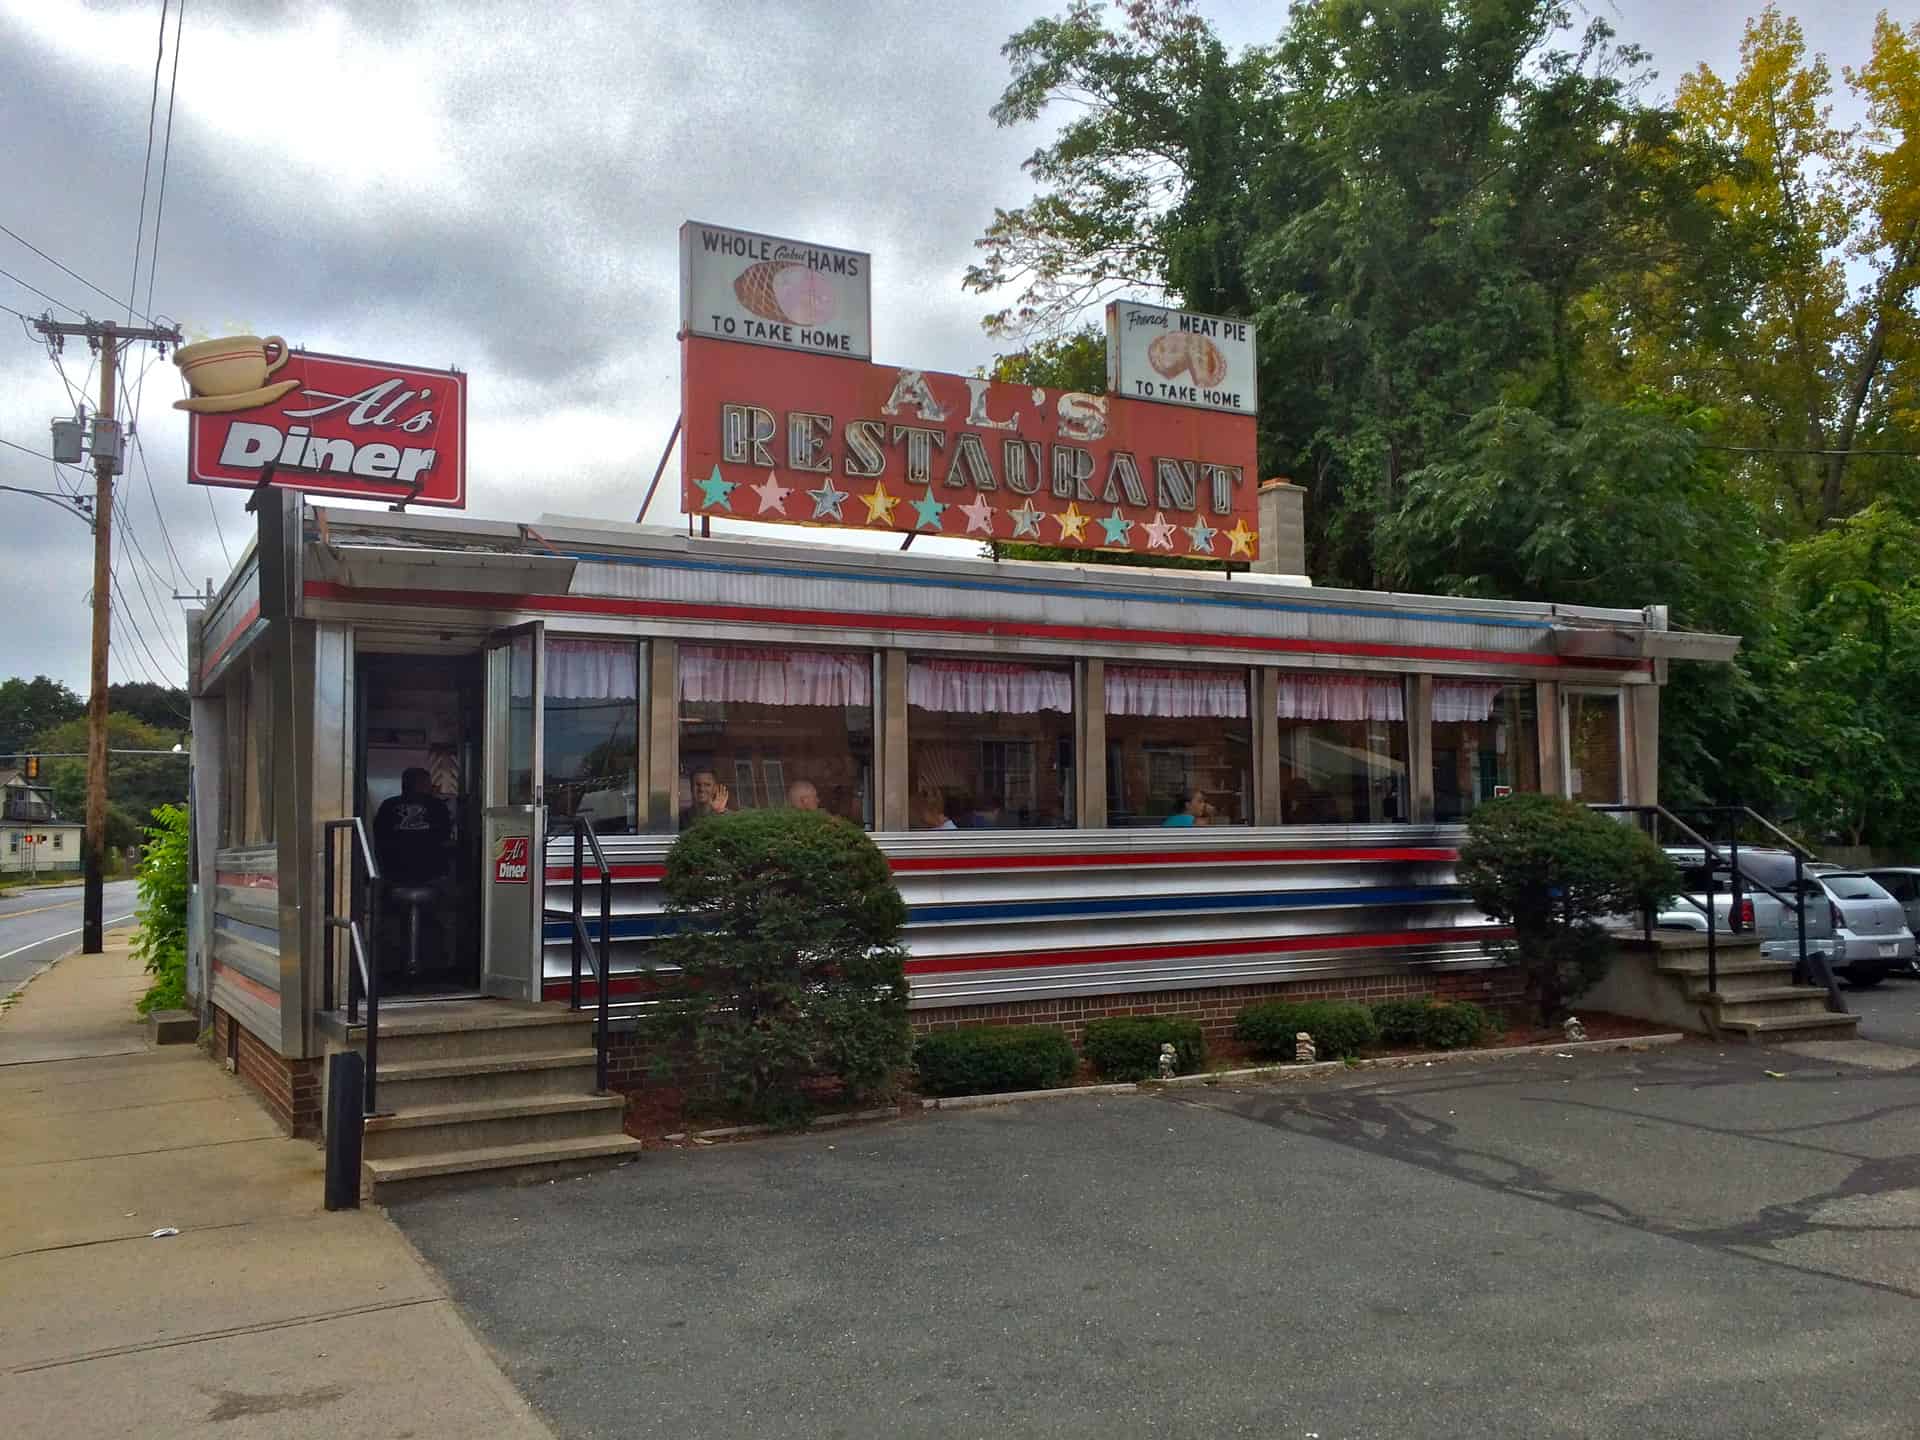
{"type": "Point", "coordinates": [325, 424]}
{"type": "Point", "coordinates": [512, 863]}
{"type": "Point", "coordinates": [763, 290]}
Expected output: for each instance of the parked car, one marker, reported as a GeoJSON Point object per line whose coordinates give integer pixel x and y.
{"type": "Point", "coordinates": [1902, 882]}
{"type": "Point", "coordinates": [1869, 924]}
{"type": "Point", "coordinates": [1762, 914]}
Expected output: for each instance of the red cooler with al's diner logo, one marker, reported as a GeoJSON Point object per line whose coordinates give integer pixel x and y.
{"type": "Point", "coordinates": [512, 860]}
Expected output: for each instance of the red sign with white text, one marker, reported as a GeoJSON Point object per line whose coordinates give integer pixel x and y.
{"type": "Point", "coordinates": [806, 439]}
{"type": "Point", "coordinates": [327, 425]}
{"type": "Point", "coordinates": [511, 865]}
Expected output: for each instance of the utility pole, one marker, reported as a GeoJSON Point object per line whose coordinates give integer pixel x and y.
{"type": "Point", "coordinates": [107, 338]}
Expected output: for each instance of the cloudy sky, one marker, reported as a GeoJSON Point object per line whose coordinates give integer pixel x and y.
{"type": "Point", "coordinates": [497, 186]}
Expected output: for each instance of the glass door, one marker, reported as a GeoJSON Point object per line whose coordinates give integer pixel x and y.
{"type": "Point", "coordinates": [513, 858]}
{"type": "Point", "coordinates": [1595, 747]}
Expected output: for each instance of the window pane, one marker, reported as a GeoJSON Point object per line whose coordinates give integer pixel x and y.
{"type": "Point", "coordinates": [520, 756]}
{"type": "Point", "coordinates": [1486, 742]}
{"type": "Point", "coordinates": [990, 744]}
{"type": "Point", "coordinates": [1594, 769]}
{"type": "Point", "coordinates": [592, 764]}
{"type": "Point", "coordinates": [1179, 746]}
{"type": "Point", "coordinates": [1343, 749]}
{"type": "Point", "coordinates": [762, 727]}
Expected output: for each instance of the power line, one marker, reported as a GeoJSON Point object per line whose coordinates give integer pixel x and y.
{"type": "Point", "coordinates": [166, 148]}
{"type": "Point", "coordinates": [146, 168]}
{"type": "Point", "coordinates": [38, 291]}
{"type": "Point", "coordinates": [37, 454]}
{"type": "Point", "coordinates": [75, 274]}
{"type": "Point", "coordinates": [140, 453]}
{"type": "Point", "coordinates": [1803, 450]}
{"type": "Point", "coordinates": [207, 490]}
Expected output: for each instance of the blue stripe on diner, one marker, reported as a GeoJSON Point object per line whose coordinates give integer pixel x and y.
{"type": "Point", "coordinates": [259, 934]}
{"type": "Point", "coordinates": [1012, 587]}
{"type": "Point", "coordinates": [648, 927]}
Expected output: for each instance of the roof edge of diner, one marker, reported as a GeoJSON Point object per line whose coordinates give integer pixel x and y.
{"type": "Point", "coordinates": [585, 539]}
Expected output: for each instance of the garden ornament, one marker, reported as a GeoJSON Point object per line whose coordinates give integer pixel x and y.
{"type": "Point", "coordinates": [1575, 1030]}
{"type": "Point", "coordinates": [1169, 1061]}
{"type": "Point", "coordinates": [1303, 1050]}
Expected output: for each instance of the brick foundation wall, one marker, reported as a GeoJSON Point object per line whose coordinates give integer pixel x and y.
{"type": "Point", "coordinates": [291, 1088]}
{"type": "Point", "coordinates": [1215, 1008]}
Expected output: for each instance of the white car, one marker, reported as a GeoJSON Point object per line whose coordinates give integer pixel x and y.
{"type": "Point", "coordinates": [1869, 925]}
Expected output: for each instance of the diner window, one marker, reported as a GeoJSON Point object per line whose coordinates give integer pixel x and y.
{"type": "Point", "coordinates": [1486, 742]}
{"type": "Point", "coordinates": [592, 725]}
{"type": "Point", "coordinates": [990, 744]}
{"type": "Point", "coordinates": [762, 728]}
{"type": "Point", "coordinates": [1179, 746]}
{"type": "Point", "coordinates": [1343, 749]}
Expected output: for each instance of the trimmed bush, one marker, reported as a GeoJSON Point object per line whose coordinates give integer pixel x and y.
{"type": "Point", "coordinates": [1127, 1047]}
{"type": "Point", "coordinates": [988, 1059]}
{"type": "Point", "coordinates": [787, 926]}
{"type": "Point", "coordinates": [1433, 1024]}
{"type": "Point", "coordinates": [1339, 1027]}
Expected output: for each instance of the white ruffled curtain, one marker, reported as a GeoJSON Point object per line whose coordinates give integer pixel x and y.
{"type": "Point", "coordinates": [592, 670]}
{"type": "Point", "coordinates": [988, 687]}
{"type": "Point", "coordinates": [752, 675]}
{"type": "Point", "coordinates": [1464, 702]}
{"type": "Point", "coordinates": [1341, 697]}
{"type": "Point", "coordinates": [1176, 694]}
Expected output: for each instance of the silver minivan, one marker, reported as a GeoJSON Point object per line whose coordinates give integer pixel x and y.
{"type": "Point", "coordinates": [1869, 924]}
{"type": "Point", "coordinates": [1902, 882]}
{"type": "Point", "coordinates": [1762, 915]}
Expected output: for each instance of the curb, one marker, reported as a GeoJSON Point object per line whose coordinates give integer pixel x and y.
{"type": "Point", "coordinates": [1008, 1097]}
{"type": "Point", "coordinates": [741, 1132]}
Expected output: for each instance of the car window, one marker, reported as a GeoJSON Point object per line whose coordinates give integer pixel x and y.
{"type": "Point", "coordinates": [1853, 887]}
{"type": "Point", "coordinates": [1900, 884]}
{"type": "Point", "coordinates": [1769, 868]}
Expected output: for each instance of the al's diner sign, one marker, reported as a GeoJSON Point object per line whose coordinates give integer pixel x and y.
{"type": "Point", "coordinates": [325, 424]}
{"type": "Point", "coordinates": [815, 439]}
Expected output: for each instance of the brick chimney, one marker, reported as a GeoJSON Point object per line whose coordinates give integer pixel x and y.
{"type": "Point", "coordinates": [1283, 529]}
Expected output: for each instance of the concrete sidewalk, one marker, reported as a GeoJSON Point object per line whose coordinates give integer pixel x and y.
{"type": "Point", "coordinates": [264, 1316]}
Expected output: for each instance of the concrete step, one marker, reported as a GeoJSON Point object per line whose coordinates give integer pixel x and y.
{"type": "Point", "coordinates": [488, 1124]}
{"type": "Point", "coordinates": [1781, 1001]}
{"type": "Point", "coordinates": [538, 1160]}
{"type": "Point", "coordinates": [1779, 1029]}
{"type": "Point", "coordinates": [457, 1079]}
{"type": "Point", "coordinates": [1741, 982]}
{"type": "Point", "coordinates": [544, 1036]}
{"type": "Point", "coordinates": [1746, 963]}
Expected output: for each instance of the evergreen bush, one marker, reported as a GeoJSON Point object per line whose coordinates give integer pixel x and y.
{"type": "Point", "coordinates": [991, 1059]}
{"type": "Point", "coordinates": [1431, 1024]}
{"type": "Point", "coordinates": [161, 945]}
{"type": "Point", "coordinates": [1339, 1027]}
{"type": "Point", "coordinates": [786, 925]}
{"type": "Point", "coordinates": [1127, 1047]}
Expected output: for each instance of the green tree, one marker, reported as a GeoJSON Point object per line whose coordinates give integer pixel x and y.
{"type": "Point", "coordinates": [29, 707]}
{"type": "Point", "coordinates": [136, 784]}
{"type": "Point", "coordinates": [161, 944]}
{"type": "Point", "coordinates": [162, 706]}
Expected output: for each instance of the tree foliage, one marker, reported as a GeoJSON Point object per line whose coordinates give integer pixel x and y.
{"type": "Point", "coordinates": [29, 708]}
{"type": "Point", "coordinates": [161, 944]}
{"type": "Point", "coordinates": [136, 784]}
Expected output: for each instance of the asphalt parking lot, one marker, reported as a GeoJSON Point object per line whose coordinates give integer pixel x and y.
{"type": "Point", "coordinates": [1675, 1243]}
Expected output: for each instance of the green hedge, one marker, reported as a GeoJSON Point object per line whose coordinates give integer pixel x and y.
{"type": "Point", "coordinates": [1339, 1027]}
{"type": "Point", "coordinates": [1127, 1047]}
{"type": "Point", "coordinates": [1431, 1024]}
{"type": "Point", "coordinates": [988, 1059]}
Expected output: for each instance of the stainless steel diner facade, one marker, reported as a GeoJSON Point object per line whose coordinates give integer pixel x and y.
{"type": "Point", "coordinates": [1090, 781]}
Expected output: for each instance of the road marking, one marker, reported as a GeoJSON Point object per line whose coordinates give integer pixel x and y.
{"type": "Point", "coordinates": [40, 910]}
{"type": "Point", "coordinates": [49, 939]}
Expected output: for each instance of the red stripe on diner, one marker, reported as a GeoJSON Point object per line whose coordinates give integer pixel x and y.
{"type": "Point", "coordinates": [754, 615]}
{"type": "Point", "coordinates": [246, 880]}
{"type": "Point", "coordinates": [239, 628]}
{"type": "Point", "coordinates": [916, 864]}
{"type": "Point", "coordinates": [1109, 955]}
{"type": "Point", "coordinates": [245, 982]}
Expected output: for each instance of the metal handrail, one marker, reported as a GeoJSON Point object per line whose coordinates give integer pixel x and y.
{"type": "Point", "coordinates": [1651, 816]}
{"type": "Point", "coordinates": [364, 974]}
{"type": "Point", "coordinates": [581, 939]}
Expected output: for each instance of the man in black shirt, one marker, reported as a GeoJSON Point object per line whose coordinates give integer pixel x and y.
{"type": "Point", "coordinates": [410, 832]}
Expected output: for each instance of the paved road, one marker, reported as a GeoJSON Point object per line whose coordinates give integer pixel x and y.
{"type": "Point", "coordinates": [41, 925]}
{"type": "Point", "coordinates": [1606, 1246]}
{"type": "Point", "coordinates": [1889, 1012]}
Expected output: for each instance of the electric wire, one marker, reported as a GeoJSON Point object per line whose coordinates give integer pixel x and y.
{"type": "Point", "coordinates": [37, 454]}
{"type": "Point", "coordinates": [166, 147]}
{"type": "Point", "coordinates": [126, 533]}
{"type": "Point", "coordinates": [146, 473]}
{"type": "Point", "coordinates": [146, 168]}
{"type": "Point", "coordinates": [38, 291]}
{"type": "Point", "coordinates": [220, 534]}
{"type": "Point", "coordinates": [109, 297]}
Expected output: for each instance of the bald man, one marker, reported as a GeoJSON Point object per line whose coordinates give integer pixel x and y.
{"type": "Point", "coordinates": [801, 795]}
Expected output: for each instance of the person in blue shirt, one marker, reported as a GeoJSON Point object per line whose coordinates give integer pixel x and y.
{"type": "Point", "coordinates": [1193, 809]}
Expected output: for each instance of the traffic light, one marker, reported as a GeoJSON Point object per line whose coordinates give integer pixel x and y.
{"type": "Point", "coordinates": [33, 767]}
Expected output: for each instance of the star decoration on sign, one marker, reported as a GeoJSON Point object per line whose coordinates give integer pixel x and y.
{"type": "Point", "coordinates": [715, 493]}
{"type": "Point", "coordinates": [879, 505]}
{"type": "Point", "coordinates": [827, 502]}
{"type": "Point", "coordinates": [1200, 536]}
{"type": "Point", "coordinates": [773, 495]}
{"type": "Point", "coordinates": [1159, 531]}
{"type": "Point", "coordinates": [1073, 525]}
{"type": "Point", "coordinates": [1026, 520]}
{"type": "Point", "coordinates": [1118, 528]}
{"type": "Point", "coordinates": [979, 515]}
{"type": "Point", "coordinates": [929, 510]}
{"type": "Point", "coordinates": [1242, 539]}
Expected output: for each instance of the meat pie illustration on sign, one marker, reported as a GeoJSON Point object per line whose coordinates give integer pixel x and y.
{"type": "Point", "coordinates": [1177, 353]}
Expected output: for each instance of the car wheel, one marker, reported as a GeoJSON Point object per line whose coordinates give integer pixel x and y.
{"type": "Point", "coordinates": [1864, 977]}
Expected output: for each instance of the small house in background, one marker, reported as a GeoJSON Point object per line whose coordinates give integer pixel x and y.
{"type": "Point", "coordinates": [33, 839]}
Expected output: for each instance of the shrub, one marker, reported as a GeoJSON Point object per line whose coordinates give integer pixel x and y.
{"type": "Point", "coordinates": [1550, 868]}
{"type": "Point", "coordinates": [1435, 1024]}
{"type": "Point", "coordinates": [1339, 1027]}
{"type": "Point", "coordinates": [990, 1058]}
{"type": "Point", "coordinates": [1127, 1047]}
{"type": "Point", "coordinates": [787, 925]}
{"type": "Point", "coordinates": [161, 944]}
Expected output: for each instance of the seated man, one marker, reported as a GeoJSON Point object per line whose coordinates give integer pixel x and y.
{"type": "Point", "coordinates": [709, 796]}
{"type": "Point", "coordinates": [410, 832]}
{"type": "Point", "coordinates": [803, 795]}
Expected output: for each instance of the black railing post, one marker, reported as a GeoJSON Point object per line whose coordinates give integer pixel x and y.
{"type": "Point", "coordinates": [372, 946]}
{"type": "Point", "coordinates": [604, 980]}
{"type": "Point", "coordinates": [1733, 860]}
{"type": "Point", "coordinates": [579, 843]}
{"type": "Point", "coordinates": [346, 1129]}
{"type": "Point", "coordinates": [1713, 940]}
{"type": "Point", "coordinates": [331, 953]}
{"type": "Point", "coordinates": [356, 895]}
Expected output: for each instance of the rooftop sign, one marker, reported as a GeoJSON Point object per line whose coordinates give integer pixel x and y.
{"type": "Point", "coordinates": [1180, 358]}
{"type": "Point", "coordinates": [762, 290]}
{"type": "Point", "coordinates": [325, 424]}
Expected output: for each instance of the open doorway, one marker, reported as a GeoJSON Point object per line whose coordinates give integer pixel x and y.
{"type": "Point", "coordinates": [418, 738]}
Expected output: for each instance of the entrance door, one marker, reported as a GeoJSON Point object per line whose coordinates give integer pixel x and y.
{"type": "Point", "coordinates": [1595, 748]}
{"type": "Point", "coordinates": [513, 873]}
